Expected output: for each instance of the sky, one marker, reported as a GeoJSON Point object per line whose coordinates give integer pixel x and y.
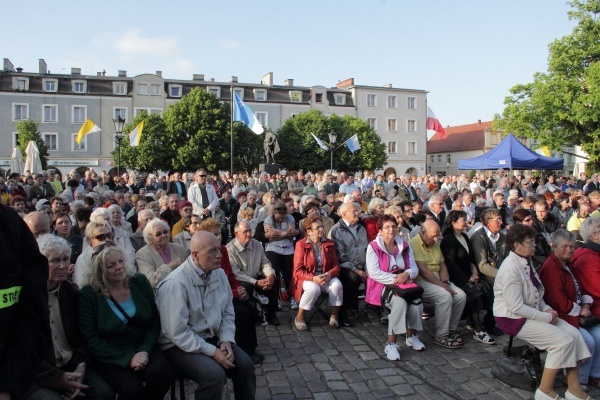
{"type": "Point", "coordinates": [466, 54]}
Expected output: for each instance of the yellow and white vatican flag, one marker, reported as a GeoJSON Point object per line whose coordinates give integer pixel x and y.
{"type": "Point", "coordinates": [87, 128]}
{"type": "Point", "coordinates": [136, 135]}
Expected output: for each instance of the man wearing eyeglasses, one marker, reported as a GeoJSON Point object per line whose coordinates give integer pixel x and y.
{"type": "Point", "coordinates": [436, 206]}
{"type": "Point", "coordinates": [203, 197]}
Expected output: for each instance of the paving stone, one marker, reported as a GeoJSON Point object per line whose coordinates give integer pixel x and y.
{"type": "Point", "coordinates": [402, 389]}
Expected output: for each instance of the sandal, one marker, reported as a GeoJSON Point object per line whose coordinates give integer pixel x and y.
{"type": "Point", "coordinates": [483, 337]}
{"type": "Point", "coordinates": [333, 322]}
{"type": "Point", "coordinates": [595, 382]}
{"type": "Point", "coordinates": [455, 336]}
{"type": "Point", "coordinates": [300, 326]}
{"type": "Point", "coordinates": [448, 343]}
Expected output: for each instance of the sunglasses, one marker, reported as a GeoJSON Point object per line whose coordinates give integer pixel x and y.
{"type": "Point", "coordinates": [103, 236]}
{"type": "Point", "coordinates": [201, 176]}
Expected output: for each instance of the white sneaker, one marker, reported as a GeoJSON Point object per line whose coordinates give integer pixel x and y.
{"type": "Point", "coordinates": [294, 304]}
{"type": "Point", "coordinates": [391, 350]}
{"type": "Point", "coordinates": [414, 342]}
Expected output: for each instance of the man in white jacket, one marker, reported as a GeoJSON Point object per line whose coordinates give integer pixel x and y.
{"type": "Point", "coordinates": [203, 197]}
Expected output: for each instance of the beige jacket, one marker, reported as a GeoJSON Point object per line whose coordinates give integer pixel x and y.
{"type": "Point", "coordinates": [150, 263]}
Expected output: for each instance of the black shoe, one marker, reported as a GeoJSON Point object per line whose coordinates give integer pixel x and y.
{"type": "Point", "coordinates": [494, 330]}
{"type": "Point", "coordinates": [259, 355]}
{"type": "Point", "coordinates": [346, 323]}
{"type": "Point", "coordinates": [273, 320]}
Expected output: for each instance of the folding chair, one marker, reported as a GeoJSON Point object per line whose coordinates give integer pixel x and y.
{"type": "Point", "coordinates": [319, 308]}
{"type": "Point", "coordinates": [181, 388]}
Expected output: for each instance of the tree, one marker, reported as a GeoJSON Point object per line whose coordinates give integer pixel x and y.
{"type": "Point", "coordinates": [27, 131]}
{"type": "Point", "coordinates": [561, 107]}
{"type": "Point", "coordinates": [247, 148]}
{"type": "Point", "coordinates": [299, 150]}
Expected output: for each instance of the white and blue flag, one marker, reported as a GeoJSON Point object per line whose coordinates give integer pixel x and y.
{"type": "Point", "coordinates": [353, 144]}
{"type": "Point", "coordinates": [320, 142]}
{"type": "Point", "coordinates": [243, 113]}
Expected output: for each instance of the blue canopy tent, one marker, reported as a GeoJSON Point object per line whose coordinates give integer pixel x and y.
{"type": "Point", "coordinates": [511, 154]}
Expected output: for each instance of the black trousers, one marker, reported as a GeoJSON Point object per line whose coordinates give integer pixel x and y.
{"type": "Point", "coordinates": [245, 327]}
{"type": "Point", "coordinates": [350, 282]}
{"type": "Point", "coordinates": [283, 266]}
{"type": "Point", "coordinates": [272, 295]}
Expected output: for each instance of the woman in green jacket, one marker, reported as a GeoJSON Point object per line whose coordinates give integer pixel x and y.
{"type": "Point", "coordinates": [120, 325]}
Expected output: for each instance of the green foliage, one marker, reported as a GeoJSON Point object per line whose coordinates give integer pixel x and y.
{"type": "Point", "coordinates": [27, 131]}
{"type": "Point", "coordinates": [561, 107]}
{"type": "Point", "coordinates": [247, 148]}
{"type": "Point", "coordinates": [299, 150]}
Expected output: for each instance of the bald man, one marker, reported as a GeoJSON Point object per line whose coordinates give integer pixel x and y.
{"type": "Point", "coordinates": [449, 301]}
{"type": "Point", "coordinates": [198, 323]}
{"type": "Point", "coordinates": [38, 223]}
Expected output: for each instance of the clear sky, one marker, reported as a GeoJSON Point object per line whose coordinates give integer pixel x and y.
{"type": "Point", "coordinates": [466, 53]}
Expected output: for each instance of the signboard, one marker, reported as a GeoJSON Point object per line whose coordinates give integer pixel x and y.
{"type": "Point", "coordinates": [296, 97]}
{"type": "Point", "coordinates": [4, 163]}
{"type": "Point", "coordinates": [73, 163]}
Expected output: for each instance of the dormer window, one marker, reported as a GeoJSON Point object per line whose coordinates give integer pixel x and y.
{"type": "Point", "coordinates": [20, 83]}
{"type": "Point", "coordinates": [260, 94]}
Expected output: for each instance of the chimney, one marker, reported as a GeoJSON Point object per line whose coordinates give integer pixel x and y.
{"type": "Point", "coordinates": [43, 67]}
{"type": "Point", "coordinates": [122, 73]}
{"type": "Point", "coordinates": [478, 122]}
{"type": "Point", "coordinates": [19, 69]}
{"type": "Point", "coordinates": [288, 82]}
{"type": "Point", "coordinates": [198, 77]}
{"type": "Point", "coordinates": [98, 73]}
{"type": "Point", "coordinates": [211, 80]}
{"type": "Point", "coordinates": [8, 66]}
{"type": "Point", "coordinates": [159, 74]}
{"type": "Point", "coordinates": [388, 85]}
{"type": "Point", "coordinates": [267, 79]}
{"type": "Point", "coordinates": [345, 83]}
{"type": "Point", "coordinates": [75, 71]}
{"type": "Point", "coordinates": [234, 79]}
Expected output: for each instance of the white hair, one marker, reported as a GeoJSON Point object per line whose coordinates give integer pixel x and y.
{"type": "Point", "coordinates": [150, 227]}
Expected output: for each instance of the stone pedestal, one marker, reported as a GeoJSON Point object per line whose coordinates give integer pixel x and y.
{"type": "Point", "coordinates": [270, 169]}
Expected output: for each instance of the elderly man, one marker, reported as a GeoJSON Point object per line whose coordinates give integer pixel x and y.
{"type": "Point", "coordinates": [198, 328]}
{"type": "Point", "coordinates": [576, 219]}
{"type": "Point", "coordinates": [449, 301]}
{"type": "Point", "coordinates": [140, 204]}
{"type": "Point", "coordinates": [251, 267]}
{"type": "Point", "coordinates": [436, 206]}
{"type": "Point", "coordinates": [295, 185]}
{"type": "Point", "coordinates": [137, 239]}
{"type": "Point", "coordinates": [249, 203]}
{"type": "Point", "coordinates": [505, 212]}
{"type": "Point", "coordinates": [40, 190]}
{"type": "Point", "coordinates": [171, 214]}
{"type": "Point", "coordinates": [203, 197]}
{"type": "Point", "coordinates": [38, 223]}
{"type": "Point", "coordinates": [351, 242]}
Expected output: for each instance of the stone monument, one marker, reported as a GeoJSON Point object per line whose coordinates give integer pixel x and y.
{"type": "Point", "coordinates": [271, 146]}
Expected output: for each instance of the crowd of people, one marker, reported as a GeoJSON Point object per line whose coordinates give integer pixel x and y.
{"type": "Point", "coordinates": [150, 278]}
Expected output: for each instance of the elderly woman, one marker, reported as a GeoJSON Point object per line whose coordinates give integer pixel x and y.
{"type": "Point", "coordinates": [120, 325]}
{"type": "Point", "coordinates": [375, 209]}
{"type": "Point", "coordinates": [61, 225]}
{"type": "Point", "coordinates": [190, 226]}
{"type": "Point", "coordinates": [460, 261]}
{"type": "Point", "coordinates": [586, 261]}
{"type": "Point", "coordinates": [316, 269]}
{"type": "Point", "coordinates": [520, 311]}
{"type": "Point", "coordinates": [96, 233]}
{"type": "Point", "coordinates": [564, 293]}
{"type": "Point", "coordinates": [117, 219]}
{"type": "Point", "coordinates": [64, 371]}
{"type": "Point", "coordinates": [158, 258]}
{"type": "Point", "coordinates": [390, 261]}
{"type": "Point", "coordinates": [120, 237]}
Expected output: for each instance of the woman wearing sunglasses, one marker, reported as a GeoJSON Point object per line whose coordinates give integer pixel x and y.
{"type": "Point", "coordinates": [96, 233]}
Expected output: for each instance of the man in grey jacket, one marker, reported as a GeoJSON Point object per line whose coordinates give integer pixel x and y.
{"type": "Point", "coordinates": [198, 328]}
{"type": "Point", "coordinates": [351, 242]}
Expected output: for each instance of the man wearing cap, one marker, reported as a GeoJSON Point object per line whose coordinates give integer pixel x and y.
{"type": "Point", "coordinates": [203, 197]}
{"type": "Point", "coordinates": [185, 211]}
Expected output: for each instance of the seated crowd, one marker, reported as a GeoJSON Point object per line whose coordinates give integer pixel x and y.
{"type": "Point", "coordinates": [150, 280]}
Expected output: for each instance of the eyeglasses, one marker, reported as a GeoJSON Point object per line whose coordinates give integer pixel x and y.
{"type": "Point", "coordinates": [201, 176]}
{"type": "Point", "coordinates": [103, 236]}
{"type": "Point", "coordinates": [528, 242]}
{"type": "Point", "coordinates": [161, 233]}
{"type": "Point", "coordinates": [318, 228]}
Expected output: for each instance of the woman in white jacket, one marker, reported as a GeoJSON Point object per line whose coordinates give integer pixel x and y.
{"type": "Point", "coordinates": [520, 311]}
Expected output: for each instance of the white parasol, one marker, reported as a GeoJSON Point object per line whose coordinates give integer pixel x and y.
{"type": "Point", "coordinates": [33, 163]}
{"type": "Point", "coordinates": [16, 162]}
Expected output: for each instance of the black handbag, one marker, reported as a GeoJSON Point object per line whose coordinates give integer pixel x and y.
{"type": "Point", "coordinates": [589, 321]}
{"type": "Point", "coordinates": [517, 372]}
{"type": "Point", "coordinates": [411, 293]}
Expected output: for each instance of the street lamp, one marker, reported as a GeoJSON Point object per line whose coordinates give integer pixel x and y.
{"type": "Point", "coordinates": [332, 140]}
{"type": "Point", "coordinates": [119, 123]}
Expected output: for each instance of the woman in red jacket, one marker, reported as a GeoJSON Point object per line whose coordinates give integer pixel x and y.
{"type": "Point", "coordinates": [316, 269]}
{"type": "Point", "coordinates": [375, 210]}
{"type": "Point", "coordinates": [566, 296]}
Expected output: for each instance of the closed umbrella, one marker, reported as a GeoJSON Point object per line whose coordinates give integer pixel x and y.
{"type": "Point", "coordinates": [16, 161]}
{"type": "Point", "coordinates": [33, 163]}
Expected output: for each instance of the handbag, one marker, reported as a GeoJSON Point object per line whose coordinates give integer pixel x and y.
{"type": "Point", "coordinates": [517, 372]}
{"type": "Point", "coordinates": [589, 322]}
{"type": "Point", "coordinates": [410, 292]}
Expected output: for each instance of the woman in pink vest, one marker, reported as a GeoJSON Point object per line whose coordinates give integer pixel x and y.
{"type": "Point", "coordinates": [390, 261]}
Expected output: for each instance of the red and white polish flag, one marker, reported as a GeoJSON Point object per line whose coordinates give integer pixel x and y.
{"type": "Point", "coordinates": [433, 124]}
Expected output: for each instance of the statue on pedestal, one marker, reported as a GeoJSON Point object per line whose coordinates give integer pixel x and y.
{"type": "Point", "coordinates": [271, 146]}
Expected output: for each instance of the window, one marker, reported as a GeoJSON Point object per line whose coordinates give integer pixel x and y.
{"type": "Point", "coordinates": [392, 125]}
{"type": "Point", "coordinates": [392, 102]}
{"type": "Point", "coordinates": [120, 88]}
{"type": "Point", "coordinates": [439, 158]}
{"type": "Point", "coordinates": [15, 138]}
{"type": "Point", "coordinates": [175, 90]}
{"type": "Point", "coordinates": [20, 83]}
{"type": "Point", "coordinates": [142, 90]}
{"type": "Point", "coordinates": [372, 123]}
{"type": "Point", "coordinates": [51, 140]}
{"type": "Point", "coordinates": [318, 97]}
{"type": "Point", "coordinates": [50, 85]}
{"type": "Point", "coordinates": [79, 86]}
{"type": "Point", "coordinates": [79, 114]}
{"type": "Point", "coordinates": [432, 160]}
{"type": "Point", "coordinates": [494, 139]}
{"type": "Point", "coordinates": [155, 90]}
{"type": "Point", "coordinates": [81, 146]}
{"type": "Point", "coordinates": [411, 103]}
{"type": "Point", "coordinates": [411, 147]}
{"type": "Point", "coordinates": [295, 96]}
{"type": "Point", "coordinates": [240, 92]}
{"type": "Point", "coordinates": [20, 111]}
{"type": "Point", "coordinates": [449, 159]}
{"type": "Point", "coordinates": [156, 111]}
{"type": "Point", "coordinates": [50, 113]}
{"type": "Point", "coordinates": [391, 147]}
{"type": "Point", "coordinates": [260, 95]}
{"type": "Point", "coordinates": [371, 100]}
{"type": "Point", "coordinates": [215, 91]}
{"type": "Point", "coordinates": [138, 110]}
{"type": "Point", "coordinates": [120, 112]}
{"type": "Point", "coordinates": [340, 99]}
{"type": "Point", "coordinates": [262, 117]}
{"type": "Point", "coordinates": [411, 125]}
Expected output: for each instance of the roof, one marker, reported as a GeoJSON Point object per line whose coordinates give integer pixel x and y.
{"type": "Point", "coordinates": [460, 138]}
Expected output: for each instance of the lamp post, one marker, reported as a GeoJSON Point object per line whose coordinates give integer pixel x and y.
{"type": "Point", "coordinates": [332, 140]}
{"type": "Point", "coordinates": [119, 123]}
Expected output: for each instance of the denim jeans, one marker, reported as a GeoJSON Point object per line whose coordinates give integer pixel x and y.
{"type": "Point", "coordinates": [591, 366]}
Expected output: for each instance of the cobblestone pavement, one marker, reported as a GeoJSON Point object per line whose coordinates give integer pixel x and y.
{"type": "Point", "coordinates": [349, 363]}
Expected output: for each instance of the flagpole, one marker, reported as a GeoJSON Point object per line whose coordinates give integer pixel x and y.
{"type": "Point", "coordinates": [231, 128]}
